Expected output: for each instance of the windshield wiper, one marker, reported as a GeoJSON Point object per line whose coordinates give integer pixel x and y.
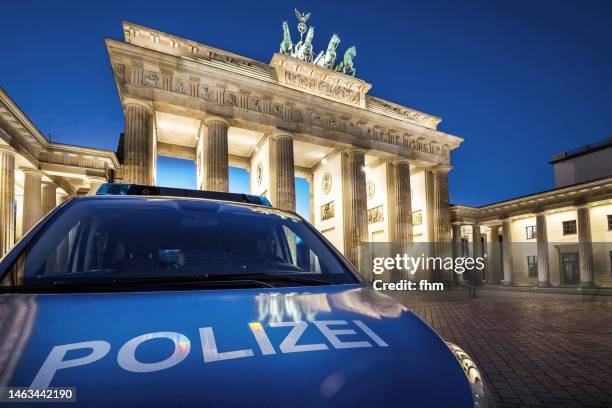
{"type": "Point", "coordinates": [286, 278]}
{"type": "Point", "coordinates": [202, 281]}
{"type": "Point", "coordinates": [133, 284]}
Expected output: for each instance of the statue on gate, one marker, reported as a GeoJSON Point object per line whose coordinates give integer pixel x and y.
{"type": "Point", "coordinates": [286, 46]}
{"type": "Point", "coordinates": [328, 58]}
{"type": "Point", "coordinates": [346, 65]}
{"type": "Point", "coordinates": [303, 50]}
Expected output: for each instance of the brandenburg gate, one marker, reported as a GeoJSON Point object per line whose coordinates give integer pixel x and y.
{"type": "Point", "coordinates": [378, 171]}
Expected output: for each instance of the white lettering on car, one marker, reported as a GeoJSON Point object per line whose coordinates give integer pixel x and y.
{"type": "Point", "coordinates": [126, 357]}
{"type": "Point", "coordinates": [211, 353]}
{"type": "Point", "coordinates": [55, 360]}
{"type": "Point", "coordinates": [332, 335]}
{"type": "Point", "coordinates": [289, 344]}
{"type": "Point", "coordinates": [127, 354]}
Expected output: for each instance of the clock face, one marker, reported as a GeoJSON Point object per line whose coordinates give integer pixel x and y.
{"type": "Point", "coordinates": [326, 182]}
{"type": "Point", "coordinates": [371, 189]}
{"type": "Point", "coordinates": [259, 173]}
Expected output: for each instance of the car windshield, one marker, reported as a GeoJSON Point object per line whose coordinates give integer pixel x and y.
{"type": "Point", "coordinates": [146, 239]}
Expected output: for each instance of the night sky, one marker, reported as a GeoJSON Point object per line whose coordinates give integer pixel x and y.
{"type": "Point", "coordinates": [520, 81]}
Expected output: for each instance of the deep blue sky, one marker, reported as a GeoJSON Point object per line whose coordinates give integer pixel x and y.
{"type": "Point", "coordinates": [520, 81]}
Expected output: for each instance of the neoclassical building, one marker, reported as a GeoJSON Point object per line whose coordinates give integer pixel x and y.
{"type": "Point", "coordinates": [560, 237]}
{"type": "Point", "coordinates": [378, 171]}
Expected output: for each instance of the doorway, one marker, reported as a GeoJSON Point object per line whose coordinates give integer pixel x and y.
{"type": "Point", "coordinates": [570, 268]}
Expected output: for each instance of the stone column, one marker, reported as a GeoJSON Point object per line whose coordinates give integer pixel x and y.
{"type": "Point", "coordinates": [441, 219]}
{"type": "Point", "coordinates": [542, 243]}
{"type": "Point", "coordinates": [456, 228]}
{"type": "Point", "coordinates": [32, 210]}
{"type": "Point", "coordinates": [355, 206]}
{"type": "Point", "coordinates": [49, 197]}
{"type": "Point", "coordinates": [429, 210]}
{"type": "Point", "coordinates": [507, 252]}
{"type": "Point", "coordinates": [7, 197]}
{"type": "Point", "coordinates": [312, 194]}
{"type": "Point", "coordinates": [493, 275]}
{"type": "Point", "coordinates": [477, 246]}
{"type": "Point", "coordinates": [213, 155]}
{"type": "Point", "coordinates": [282, 172]}
{"type": "Point", "coordinates": [585, 251]}
{"type": "Point", "coordinates": [94, 184]}
{"type": "Point", "coordinates": [138, 144]}
{"type": "Point", "coordinates": [403, 203]}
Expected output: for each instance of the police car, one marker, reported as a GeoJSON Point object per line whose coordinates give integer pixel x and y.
{"type": "Point", "coordinates": [147, 296]}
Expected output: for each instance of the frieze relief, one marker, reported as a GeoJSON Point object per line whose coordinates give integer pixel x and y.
{"type": "Point", "coordinates": [328, 211]}
{"type": "Point", "coordinates": [375, 215]}
{"type": "Point", "coordinates": [322, 87]}
{"type": "Point", "coordinates": [151, 79]}
{"type": "Point", "coordinates": [290, 113]}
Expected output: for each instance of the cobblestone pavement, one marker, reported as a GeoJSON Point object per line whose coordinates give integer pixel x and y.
{"type": "Point", "coordinates": [534, 351]}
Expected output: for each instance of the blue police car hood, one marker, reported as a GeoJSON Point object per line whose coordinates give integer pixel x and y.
{"type": "Point", "coordinates": [342, 345]}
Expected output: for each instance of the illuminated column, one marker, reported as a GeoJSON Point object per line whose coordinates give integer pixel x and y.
{"type": "Point", "coordinates": [542, 242]}
{"type": "Point", "coordinates": [402, 207]}
{"type": "Point", "coordinates": [456, 235]}
{"type": "Point", "coordinates": [493, 275]}
{"type": "Point", "coordinates": [507, 252]}
{"type": "Point", "coordinates": [355, 206]}
{"type": "Point", "coordinates": [476, 238]}
{"type": "Point", "coordinates": [31, 198]}
{"type": "Point", "coordinates": [49, 197]}
{"type": "Point", "coordinates": [585, 247]}
{"type": "Point", "coordinates": [213, 155]}
{"type": "Point", "coordinates": [282, 170]}
{"type": "Point", "coordinates": [94, 184]}
{"type": "Point", "coordinates": [476, 245]}
{"type": "Point", "coordinates": [441, 218]}
{"type": "Point", "coordinates": [7, 197]}
{"type": "Point", "coordinates": [312, 195]}
{"type": "Point", "coordinates": [138, 144]}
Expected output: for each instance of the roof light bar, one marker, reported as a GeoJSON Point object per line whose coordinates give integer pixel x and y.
{"type": "Point", "coordinates": [142, 190]}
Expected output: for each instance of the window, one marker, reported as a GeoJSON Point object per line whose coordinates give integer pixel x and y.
{"type": "Point", "coordinates": [532, 266]}
{"type": "Point", "coordinates": [531, 231]}
{"type": "Point", "coordinates": [609, 222]}
{"type": "Point", "coordinates": [134, 238]}
{"type": "Point", "coordinates": [569, 227]}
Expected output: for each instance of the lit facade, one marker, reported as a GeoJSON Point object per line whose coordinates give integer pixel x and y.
{"type": "Point", "coordinates": [378, 171]}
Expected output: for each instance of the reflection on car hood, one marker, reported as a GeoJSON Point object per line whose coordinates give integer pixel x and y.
{"type": "Point", "coordinates": [378, 353]}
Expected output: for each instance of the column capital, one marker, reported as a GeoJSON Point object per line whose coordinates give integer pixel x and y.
{"type": "Point", "coordinates": [99, 179]}
{"type": "Point", "coordinates": [581, 205]}
{"type": "Point", "coordinates": [354, 150]}
{"type": "Point", "coordinates": [32, 172]}
{"type": "Point", "coordinates": [441, 168]}
{"type": "Point", "coordinates": [278, 133]}
{"type": "Point", "coordinates": [7, 149]}
{"type": "Point", "coordinates": [48, 184]}
{"type": "Point", "coordinates": [212, 118]}
{"type": "Point", "coordinates": [457, 223]}
{"type": "Point", "coordinates": [129, 101]}
{"type": "Point", "coordinates": [401, 160]}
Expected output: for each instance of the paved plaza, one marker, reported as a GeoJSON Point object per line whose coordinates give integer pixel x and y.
{"type": "Point", "coordinates": [535, 350]}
